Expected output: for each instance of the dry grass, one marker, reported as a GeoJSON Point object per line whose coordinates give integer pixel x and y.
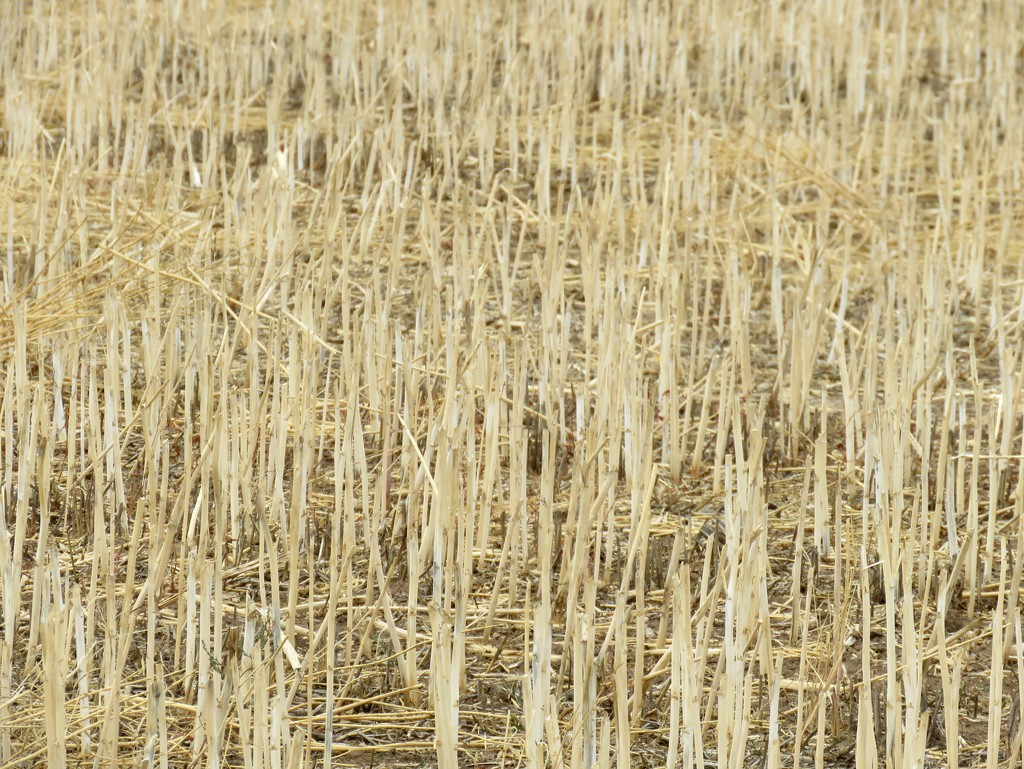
{"type": "Point", "coordinates": [528, 384]}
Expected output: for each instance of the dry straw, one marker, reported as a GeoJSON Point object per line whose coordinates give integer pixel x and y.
{"type": "Point", "coordinates": [551, 384]}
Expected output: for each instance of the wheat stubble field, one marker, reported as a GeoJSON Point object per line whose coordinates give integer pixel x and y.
{"type": "Point", "coordinates": [511, 384]}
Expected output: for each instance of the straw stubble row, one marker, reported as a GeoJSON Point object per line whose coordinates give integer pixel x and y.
{"type": "Point", "coordinates": [565, 385]}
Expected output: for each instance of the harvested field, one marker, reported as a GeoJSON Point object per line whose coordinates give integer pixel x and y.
{"type": "Point", "coordinates": [527, 384]}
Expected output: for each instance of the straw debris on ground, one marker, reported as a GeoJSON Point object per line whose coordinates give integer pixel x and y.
{"type": "Point", "coordinates": [565, 384]}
